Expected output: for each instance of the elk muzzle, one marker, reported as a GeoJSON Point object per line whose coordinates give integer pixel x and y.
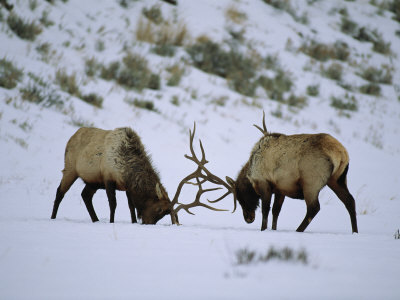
{"type": "Point", "coordinates": [249, 216]}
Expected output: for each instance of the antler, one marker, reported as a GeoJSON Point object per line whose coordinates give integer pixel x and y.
{"type": "Point", "coordinates": [264, 130]}
{"type": "Point", "coordinates": [202, 175]}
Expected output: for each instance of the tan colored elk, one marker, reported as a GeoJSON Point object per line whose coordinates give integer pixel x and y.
{"type": "Point", "coordinates": [117, 160]}
{"type": "Point", "coordinates": [297, 166]}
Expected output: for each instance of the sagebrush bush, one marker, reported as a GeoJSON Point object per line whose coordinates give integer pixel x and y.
{"type": "Point", "coordinates": [154, 82]}
{"type": "Point", "coordinates": [166, 34]}
{"type": "Point", "coordinates": [237, 68]}
{"type": "Point", "coordinates": [334, 71]}
{"type": "Point", "coordinates": [43, 49]}
{"type": "Point", "coordinates": [271, 62]}
{"type": "Point", "coordinates": [377, 75]}
{"type": "Point", "coordinates": [24, 29]}
{"type": "Point", "coordinates": [371, 89]}
{"type": "Point", "coordinates": [394, 6]}
{"type": "Point", "coordinates": [154, 14]}
{"type": "Point", "coordinates": [313, 90]}
{"type": "Point", "coordinates": [93, 99]}
{"type": "Point", "coordinates": [365, 34]}
{"type": "Point", "coordinates": [349, 103]}
{"type": "Point", "coordinates": [32, 93]}
{"type": "Point", "coordinates": [285, 5]}
{"type": "Point", "coordinates": [233, 14]}
{"type": "Point", "coordinates": [176, 73]}
{"type": "Point", "coordinates": [286, 254]}
{"type": "Point", "coordinates": [323, 52]}
{"type": "Point", "coordinates": [380, 46]}
{"type": "Point", "coordinates": [132, 73]}
{"type": "Point", "coordinates": [33, 4]}
{"type": "Point", "coordinates": [209, 57]}
{"type": "Point", "coordinates": [9, 74]}
{"type": "Point", "coordinates": [135, 72]}
{"type": "Point", "coordinates": [348, 26]}
{"type": "Point", "coordinates": [44, 19]}
{"type": "Point", "coordinates": [110, 72]}
{"type": "Point", "coordinates": [92, 67]}
{"type": "Point", "coordinates": [40, 92]}
{"type": "Point", "coordinates": [68, 83]}
{"type": "Point", "coordinates": [277, 86]}
{"type": "Point", "coordinates": [296, 101]}
{"type": "Point", "coordinates": [164, 50]}
{"type": "Point", "coordinates": [145, 104]}
{"type": "Point", "coordinates": [175, 100]}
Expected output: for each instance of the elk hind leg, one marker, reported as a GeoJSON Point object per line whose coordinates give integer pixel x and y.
{"type": "Point", "coordinates": [67, 181]}
{"type": "Point", "coordinates": [87, 196]}
{"type": "Point", "coordinates": [313, 207]}
{"type": "Point", "coordinates": [112, 200]}
{"type": "Point", "coordinates": [276, 209]}
{"type": "Point", "coordinates": [339, 187]}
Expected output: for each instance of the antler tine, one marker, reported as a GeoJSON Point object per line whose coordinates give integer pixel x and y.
{"type": "Point", "coordinates": [197, 202]}
{"type": "Point", "coordinates": [194, 158]}
{"type": "Point", "coordinates": [201, 174]}
{"type": "Point", "coordinates": [264, 130]}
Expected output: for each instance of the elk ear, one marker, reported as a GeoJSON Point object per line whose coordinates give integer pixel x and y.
{"type": "Point", "coordinates": [161, 193]}
{"type": "Point", "coordinates": [158, 191]}
{"type": "Point", "coordinates": [230, 181]}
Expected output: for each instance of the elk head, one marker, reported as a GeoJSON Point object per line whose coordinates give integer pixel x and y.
{"type": "Point", "coordinates": [158, 208]}
{"type": "Point", "coordinates": [200, 175]}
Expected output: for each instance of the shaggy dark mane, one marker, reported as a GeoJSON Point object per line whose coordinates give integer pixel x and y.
{"type": "Point", "coordinates": [246, 195]}
{"type": "Point", "coordinates": [138, 172]}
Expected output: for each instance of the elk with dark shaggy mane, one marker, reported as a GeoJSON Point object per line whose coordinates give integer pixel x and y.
{"type": "Point", "coordinates": [117, 160]}
{"type": "Point", "coordinates": [113, 160]}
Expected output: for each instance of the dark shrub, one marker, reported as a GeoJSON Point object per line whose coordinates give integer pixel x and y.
{"type": "Point", "coordinates": [371, 89]}
{"type": "Point", "coordinates": [9, 74]}
{"type": "Point", "coordinates": [93, 99]}
{"type": "Point", "coordinates": [239, 69]}
{"type": "Point", "coordinates": [313, 90]}
{"type": "Point", "coordinates": [24, 29]}
{"type": "Point", "coordinates": [350, 104]}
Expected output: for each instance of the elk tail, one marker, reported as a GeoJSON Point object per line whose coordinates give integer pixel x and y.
{"type": "Point", "coordinates": [342, 179]}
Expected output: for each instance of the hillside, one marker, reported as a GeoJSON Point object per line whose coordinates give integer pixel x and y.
{"type": "Point", "coordinates": [312, 66]}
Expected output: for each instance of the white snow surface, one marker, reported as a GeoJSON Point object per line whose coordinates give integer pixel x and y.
{"type": "Point", "coordinates": [72, 258]}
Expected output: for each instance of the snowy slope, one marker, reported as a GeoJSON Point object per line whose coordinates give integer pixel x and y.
{"type": "Point", "coordinates": [71, 258]}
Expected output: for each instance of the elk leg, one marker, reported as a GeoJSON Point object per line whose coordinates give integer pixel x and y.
{"type": "Point", "coordinates": [112, 201]}
{"type": "Point", "coordinates": [276, 209]}
{"type": "Point", "coordinates": [341, 190]}
{"type": "Point", "coordinates": [87, 196]}
{"type": "Point", "coordinates": [131, 207]}
{"type": "Point", "coordinates": [313, 208]}
{"type": "Point", "coordinates": [265, 194]}
{"type": "Point", "coordinates": [65, 184]}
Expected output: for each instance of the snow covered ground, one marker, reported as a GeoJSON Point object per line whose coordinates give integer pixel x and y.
{"type": "Point", "coordinates": [72, 258]}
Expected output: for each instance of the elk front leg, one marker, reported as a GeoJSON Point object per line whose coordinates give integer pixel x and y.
{"type": "Point", "coordinates": [265, 193]}
{"type": "Point", "coordinates": [110, 190]}
{"type": "Point", "coordinates": [276, 209]}
{"type": "Point", "coordinates": [131, 204]}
